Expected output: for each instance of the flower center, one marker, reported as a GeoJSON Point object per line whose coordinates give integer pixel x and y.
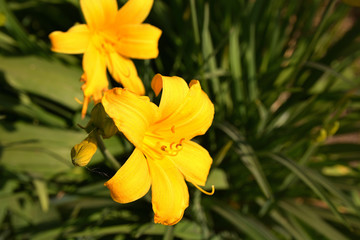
{"type": "Point", "coordinates": [103, 42]}
{"type": "Point", "coordinates": [156, 147]}
{"type": "Point", "coordinates": [173, 149]}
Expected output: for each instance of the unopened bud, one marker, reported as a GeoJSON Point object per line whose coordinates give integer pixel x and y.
{"type": "Point", "coordinates": [334, 128]}
{"type": "Point", "coordinates": [2, 19]}
{"type": "Point", "coordinates": [82, 153]}
{"type": "Point", "coordinates": [109, 129]}
{"type": "Point", "coordinates": [322, 136]}
{"type": "Point", "coordinates": [98, 115]}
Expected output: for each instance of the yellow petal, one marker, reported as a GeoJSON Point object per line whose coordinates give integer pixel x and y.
{"type": "Point", "coordinates": [133, 12]}
{"type": "Point", "coordinates": [194, 162]}
{"type": "Point", "coordinates": [170, 196]}
{"type": "Point", "coordinates": [174, 92]}
{"type": "Point", "coordinates": [192, 117]}
{"type": "Point", "coordinates": [132, 180]}
{"type": "Point", "coordinates": [124, 71]}
{"type": "Point", "coordinates": [94, 77]}
{"type": "Point", "coordinates": [99, 14]}
{"type": "Point", "coordinates": [74, 41]}
{"type": "Point", "coordinates": [138, 41]}
{"type": "Point", "coordinates": [132, 114]}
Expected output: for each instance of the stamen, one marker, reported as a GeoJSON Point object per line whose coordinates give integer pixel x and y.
{"type": "Point", "coordinates": [205, 192]}
{"type": "Point", "coordinates": [85, 106]}
{"type": "Point", "coordinates": [171, 152]}
{"type": "Point", "coordinates": [171, 145]}
{"type": "Point", "coordinates": [179, 145]}
{"type": "Point", "coordinates": [78, 100]}
{"type": "Point", "coordinates": [173, 149]}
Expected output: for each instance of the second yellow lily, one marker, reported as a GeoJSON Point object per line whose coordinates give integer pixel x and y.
{"type": "Point", "coordinates": [109, 39]}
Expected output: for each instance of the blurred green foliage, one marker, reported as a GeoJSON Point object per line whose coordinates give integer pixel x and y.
{"type": "Point", "coordinates": [284, 77]}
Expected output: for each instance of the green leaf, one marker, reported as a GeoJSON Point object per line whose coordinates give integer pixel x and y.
{"type": "Point", "coordinates": [36, 150]}
{"type": "Point", "coordinates": [301, 172]}
{"type": "Point", "coordinates": [208, 53]}
{"type": "Point", "coordinates": [24, 107]}
{"type": "Point", "coordinates": [249, 158]}
{"type": "Point", "coordinates": [331, 187]}
{"type": "Point", "coordinates": [43, 77]}
{"type": "Point", "coordinates": [285, 223]}
{"type": "Point", "coordinates": [222, 153]}
{"type": "Point", "coordinates": [217, 177]}
{"type": "Point", "coordinates": [6, 197]}
{"type": "Point", "coordinates": [103, 231]}
{"type": "Point", "coordinates": [235, 63]}
{"type": "Point", "coordinates": [41, 189]}
{"type": "Point", "coordinates": [16, 29]}
{"type": "Point", "coordinates": [313, 220]}
{"type": "Point", "coordinates": [250, 226]}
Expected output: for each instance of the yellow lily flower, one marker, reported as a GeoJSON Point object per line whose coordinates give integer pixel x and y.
{"type": "Point", "coordinates": [109, 39]}
{"type": "Point", "coordinates": [164, 154]}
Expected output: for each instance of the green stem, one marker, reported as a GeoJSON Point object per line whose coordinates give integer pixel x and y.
{"type": "Point", "coordinates": [108, 156]}
{"type": "Point", "coordinates": [200, 215]}
{"type": "Point", "coordinates": [195, 22]}
{"type": "Point", "coordinates": [169, 233]}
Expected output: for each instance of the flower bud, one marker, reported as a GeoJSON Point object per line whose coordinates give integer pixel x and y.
{"type": "Point", "coordinates": [321, 136]}
{"type": "Point", "coordinates": [98, 115]}
{"type": "Point", "coordinates": [334, 128]}
{"type": "Point", "coordinates": [82, 153]}
{"type": "Point", "coordinates": [109, 129]}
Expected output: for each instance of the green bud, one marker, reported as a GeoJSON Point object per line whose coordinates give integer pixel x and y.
{"type": "Point", "coordinates": [109, 129]}
{"type": "Point", "coordinates": [321, 136]}
{"type": "Point", "coordinates": [334, 128]}
{"type": "Point", "coordinates": [2, 19]}
{"type": "Point", "coordinates": [98, 115]}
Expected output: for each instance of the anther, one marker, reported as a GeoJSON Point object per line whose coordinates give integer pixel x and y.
{"type": "Point", "coordinates": [179, 145]}
{"type": "Point", "coordinates": [173, 149]}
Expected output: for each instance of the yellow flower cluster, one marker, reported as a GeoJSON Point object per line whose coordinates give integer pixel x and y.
{"type": "Point", "coordinates": [164, 155]}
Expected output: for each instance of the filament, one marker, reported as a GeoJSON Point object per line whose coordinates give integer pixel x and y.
{"type": "Point", "coordinates": [78, 100]}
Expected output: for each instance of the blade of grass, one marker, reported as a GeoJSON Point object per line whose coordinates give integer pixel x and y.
{"type": "Point", "coordinates": [195, 22]}
{"type": "Point", "coordinates": [301, 172]}
{"type": "Point", "coordinates": [208, 50]}
{"type": "Point", "coordinates": [311, 219]}
{"type": "Point", "coordinates": [235, 64]}
{"type": "Point", "coordinates": [244, 224]}
{"type": "Point", "coordinates": [17, 30]}
{"type": "Point", "coordinates": [42, 191]}
{"type": "Point", "coordinates": [249, 158]}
